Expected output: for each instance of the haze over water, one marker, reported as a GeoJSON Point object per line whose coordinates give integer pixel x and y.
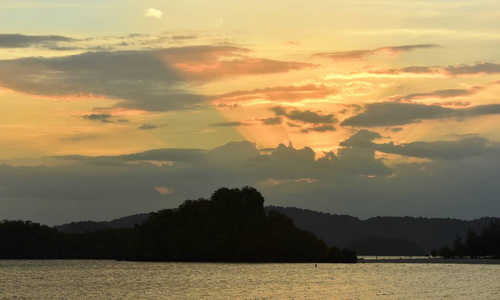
{"type": "Point", "coordinates": [41, 279]}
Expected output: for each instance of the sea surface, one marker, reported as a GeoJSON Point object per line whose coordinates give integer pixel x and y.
{"type": "Point", "coordinates": [91, 279]}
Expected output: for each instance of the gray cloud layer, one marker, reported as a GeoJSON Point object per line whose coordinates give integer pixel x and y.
{"type": "Point", "coordinates": [396, 113]}
{"type": "Point", "coordinates": [453, 70]}
{"type": "Point", "coordinates": [305, 116]}
{"type": "Point", "coordinates": [23, 41]}
{"type": "Point", "coordinates": [155, 80]}
{"type": "Point", "coordinates": [460, 181]}
{"type": "Point", "coordinates": [461, 148]}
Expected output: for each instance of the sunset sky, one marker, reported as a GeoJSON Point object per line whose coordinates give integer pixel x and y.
{"type": "Point", "coordinates": [359, 107]}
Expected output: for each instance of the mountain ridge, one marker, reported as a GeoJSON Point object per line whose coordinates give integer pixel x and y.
{"type": "Point", "coordinates": [408, 235]}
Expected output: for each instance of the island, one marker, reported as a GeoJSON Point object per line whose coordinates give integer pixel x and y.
{"type": "Point", "coordinates": [231, 226]}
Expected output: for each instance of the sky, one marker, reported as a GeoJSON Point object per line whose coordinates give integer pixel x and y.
{"type": "Point", "coordinates": [360, 107]}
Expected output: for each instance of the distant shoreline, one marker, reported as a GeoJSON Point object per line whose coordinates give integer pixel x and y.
{"type": "Point", "coordinates": [431, 261]}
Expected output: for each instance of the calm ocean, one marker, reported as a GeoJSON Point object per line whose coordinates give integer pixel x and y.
{"type": "Point", "coordinates": [72, 279]}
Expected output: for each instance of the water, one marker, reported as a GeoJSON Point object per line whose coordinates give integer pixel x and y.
{"type": "Point", "coordinates": [42, 279]}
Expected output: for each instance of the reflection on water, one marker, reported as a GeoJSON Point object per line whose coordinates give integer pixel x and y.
{"type": "Point", "coordinates": [130, 280]}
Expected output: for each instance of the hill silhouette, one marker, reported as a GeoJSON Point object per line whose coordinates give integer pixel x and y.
{"type": "Point", "coordinates": [405, 235]}
{"type": "Point", "coordinates": [346, 231]}
{"type": "Point", "coordinates": [231, 226]}
{"type": "Point", "coordinates": [83, 226]}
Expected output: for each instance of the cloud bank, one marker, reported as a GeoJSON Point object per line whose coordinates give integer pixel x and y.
{"type": "Point", "coordinates": [352, 180]}
{"type": "Point", "coordinates": [151, 80]}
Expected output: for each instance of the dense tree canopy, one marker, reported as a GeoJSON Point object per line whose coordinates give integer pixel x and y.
{"type": "Point", "coordinates": [483, 244]}
{"type": "Point", "coordinates": [231, 226]}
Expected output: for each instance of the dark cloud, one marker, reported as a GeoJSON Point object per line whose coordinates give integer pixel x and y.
{"type": "Point", "coordinates": [147, 126]}
{"type": "Point", "coordinates": [453, 70]}
{"type": "Point", "coordinates": [362, 138]}
{"type": "Point", "coordinates": [462, 147]}
{"type": "Point", "coordinates": [479, 110]}
{"type": "Point", "coordinates": [80, 137]}
{"type": "Point", "coordinates": [104, 118]}
{"type": "Point", "coordinates": [279, 111]}
{"type": "Point", "coordinates": [352, 182]}
{"type": "Point", "coordinates": [443, 94]}
{"type": "Point", "coordinates": [318, 128]}
{"type": "Point", "coordinates": [362, 54]}
{"type": "Point", "coordinates": [272, 121]}
{"type": "Point", "coordinates": [447, 150]}
{"type": "Point", "coordinates": [305, 116]}
{"type": "Point", "coordinates": [478, 68]}
{"type": "Point", "coordinates": [229, 124]}
{"type": "Point", "coordinates": [183, 37]}
{"type": "Point", "coordinates": [23, 41]}
{"type": "Point", "coordinates": [395, 113]}
{"type": "Point", "coordinates": [168, 154]}
{"type": "Point", "coordinates": [308, 116]}
{"type": "Point", "coordinates": [156, 80]}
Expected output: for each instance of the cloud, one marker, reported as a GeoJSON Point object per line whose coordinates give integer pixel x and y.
{"type": "Point", "coordinates": [168, 154]}
{"type": "Point", "coordinates": [229, 124]}
{"type": "Point", "coordinates": [272, 121]}
{"type": "Point", "coordinates": [292, 43]}
{"type": "Point", "coordinates": [362, 54]}
{"type": "Point", "coordinates": [153, 13]}
{"type": "Point", "coordinates": [147, 126]}
{"type": "Point", "coordinates": [153, 80]}
{"type": "Point", "coordinates": [396, 113]}
{"type": "Point", "coordinates": [288, 93]}
{"type": "Point", "coordinates": [352, 181]}
{"type": "Point", "coordinates": [78, 137]}
{"type": "Point", "coordinates": [104, 118]}
{"type": "Point", "coordinates": [461, 148]}
{"type": "Point", "coordinates": [318, 128]}
{"type": "Point", "coordinates": [362, 138]}
{"type": "Point", "coordinates": [305, 116]}
{"type": "Point", "coordinates": [164, 190]}
{"type": "Point", "coordinates": [184, 37]}
{"type": "Point", "coordinates": [23, 41]}
{"type": "Point", "coordinates": [207, 63]}
{"type": "Point", "coordinates": [480, 68]}
{"type": "Point", "coordinates": [308, 116]}
{"type": "Point", "coordinates": [441, 94]}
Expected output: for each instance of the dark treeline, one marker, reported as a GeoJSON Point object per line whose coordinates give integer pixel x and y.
{"type": "Point", "coordinates": [383, 235]}
{"type": "Point", "coordinates": [374, 236]}
{"type": "Point", "coordinates": [231, 226]}
{"type": "Point", "coordinates": [486, 244]}
{"type": "Point", "coordinates": [28, 240]}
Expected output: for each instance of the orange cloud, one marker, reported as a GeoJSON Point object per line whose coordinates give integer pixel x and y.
{"type": "Point", "coordinates": [362, 54]}
{"type": "Point", "coordinates": [206, 63]}
{"type": "Point", "coordinates": [462, 70]}
{"type": "Point", "coordinates": [290, 93]}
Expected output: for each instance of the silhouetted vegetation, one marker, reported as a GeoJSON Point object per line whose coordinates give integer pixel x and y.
{"type": "Point", "coordinates": [407, 234]}
{"type": "Point", "coordinates": [484, 244]}
{"type": "Point", "coordinates": [84, 226]}
{"type": "Point", "coordinates": [374, 236]}
{"type": "Point", "coordinates": [231, 226]}
{"type": "Point", "coordinates": [28, 240]}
